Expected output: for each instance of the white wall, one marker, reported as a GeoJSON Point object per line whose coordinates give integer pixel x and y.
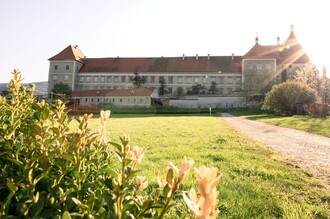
{"type": "Point", "coordinates": [205, 102]}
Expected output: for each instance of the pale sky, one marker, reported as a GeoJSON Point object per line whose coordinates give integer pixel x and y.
{"type": "Point", "coordinates": [34, 30]}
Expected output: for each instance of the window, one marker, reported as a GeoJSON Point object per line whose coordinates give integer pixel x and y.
{"type": "Point", "coordinates": [152, 79]}
{"type": "Point", "coordinates": [54, 77]}
{"type": "Point", "coordinates": [66, 77]}
{"type": "Point", "coordinates": [250, 66]}
{"type": "Point", "coordinates": [120, 100]}
{"type": "Point", "coordinates": [67, 67]}
{"type": "Point", "coordinates": [229, 80]}
{"type": "Point", "coordinates": [204, 79]}
{"type": "Point", "coordinates": [141, 100]}
{"type": "Point", "coordinates": [109, 78]}
{"type": "Point", "coordinates": [96, 78]}
{"type": "Point", "coordinates": [123, 78]}
{"type": "Point", "coordinates": [95, 87]}
{"type": "Point", "coordinates": [116, 79]}
{"type": "Point", "coordinates": [170, 90]}
{"type": "Point", "coordinates": [55, 67]}
{"type": "Point", "coordinates": [81, 78]}
{"type": "Point", "coordinates": [88, 78]}
{"type": "Point", "coordinates": [268, 66]}
{"type": "Point", "coordinates": [229, 90]}
{"type": "Point", "coordinates": [259, 66]}
{"type": "Point", "coordinates": [98, 100]}
{"type": "Point", "coordinates": [238, 80]}
{"type": "Point", "coordinates": [179, 80]}
{"type": "Point", "coordinates": [102, 78]}
{"type": "Point", "coordinates": [213, 79]}
{"type": "Point", "coordinates": [220, 90]}
{"type": "Point", "coordinates": [221, 80]}
{"type": "Point", "coordinates": [196, 79]}
{"type": "Point", "coordinates": [101, 87]}
{"type": "Point", "coordinates": [170, 79]}
{"type": "Point", "coordinates": [86, 100]}
{"type": "Point", "coordinates": [188, 80]}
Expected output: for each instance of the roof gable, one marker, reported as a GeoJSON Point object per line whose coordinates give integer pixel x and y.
{"type": "Point", "coordinates": [69, 53]}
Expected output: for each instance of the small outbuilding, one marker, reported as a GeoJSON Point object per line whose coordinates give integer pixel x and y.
{"type": "Point", "coordinates": [119, 97]}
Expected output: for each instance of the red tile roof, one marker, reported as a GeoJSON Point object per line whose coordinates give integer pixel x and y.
{"type": "Point", "coordinates": [115, 92]}
{"type": "Point", "coordinates": [69, 53]}
{"type": "Point", "coordinates": [162, 64]}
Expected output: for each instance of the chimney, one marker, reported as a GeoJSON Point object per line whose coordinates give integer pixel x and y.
{"type": "Point", "coordinates": [208, 56]}
{"type": "Point", "coordinates": [196, 56]}
{"type": "Point", "coordinates": [232, 56]}
{"type": "Point", "coordinates": [183, 57]}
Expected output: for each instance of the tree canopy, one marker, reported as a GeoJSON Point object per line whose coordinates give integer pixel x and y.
{"type": "Point", "coordinates": [282, 97]}
{"type": "Point", "coordinates": [62, 89]}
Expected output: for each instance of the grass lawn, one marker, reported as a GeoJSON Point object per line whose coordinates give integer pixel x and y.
{"type": "Point", "coordinates": [255, 183]}
{"type": "Point", "coordinates": [320, 126]}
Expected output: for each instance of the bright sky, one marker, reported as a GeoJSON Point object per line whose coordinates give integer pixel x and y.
{"type": "Point", "coordinates": [33, 31]}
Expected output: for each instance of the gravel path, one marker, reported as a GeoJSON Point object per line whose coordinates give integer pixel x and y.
{"type": "Point", "coordinates": [308, 151]}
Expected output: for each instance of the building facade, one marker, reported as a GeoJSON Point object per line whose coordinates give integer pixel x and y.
{"type": "Point", "coordinates": [229, 75]}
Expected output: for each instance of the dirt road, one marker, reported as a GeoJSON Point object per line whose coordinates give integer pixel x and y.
{"type": "Point", "coordinates": [308, 151]}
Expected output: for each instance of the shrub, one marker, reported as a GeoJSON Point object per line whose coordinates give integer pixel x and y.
{"type": "Point", "coordinates": [282, 97]}
{"type": "Point", "coordinates": [50, 171]}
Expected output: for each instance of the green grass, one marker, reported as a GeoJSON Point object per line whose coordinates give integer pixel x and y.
{"type": "Point", "coordinates": [255, 182]}
{"type": "Point", "coordinates": [320, 126]}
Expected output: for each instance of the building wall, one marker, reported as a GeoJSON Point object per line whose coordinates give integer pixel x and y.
{"type": "Point", "coordinates": [117, 100]}
{"type": "Point", "coordinates": [213, 102]}
{"type": "Point", "coordinates": [226, 82]}
{"type": "Point", "coordinates": [63, 71]}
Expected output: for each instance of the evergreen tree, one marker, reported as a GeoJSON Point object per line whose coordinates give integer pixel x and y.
{"type": "Point", "coordinates": [137, 80]}
{"type": "Point", "coordinates": [162, 87]}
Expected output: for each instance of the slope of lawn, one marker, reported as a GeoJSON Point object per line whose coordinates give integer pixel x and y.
{"type": "Point", "coordinates": [320, 126]}
{"type": "Point", "coordinates": [255, 183]}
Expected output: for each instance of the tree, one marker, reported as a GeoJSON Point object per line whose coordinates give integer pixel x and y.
{"type": "Point", "coordinates": [197, 89]}
{"type": "Point", "coordinates": [213, 89]}
{"type": "Point", "coordinates": [282, 97]}
{"type": "Point", "coordinates": [162, 87]}
{"type": "Point", "coordinates": [137, 80]}
{"type": "Point", "coordinates": [308, 74]}
{"type": "Point", "coordinates": [60, 89]}
{"type": "Point", "coordinates": [258, 82]}
{"type": "Point", "coordinates": [179, 92]}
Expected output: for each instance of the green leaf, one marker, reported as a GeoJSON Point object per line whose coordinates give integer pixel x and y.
{"type": "Point", "coordinates": [66, 215]}
{"type": "Point", "coordinates": [37, 208]}
{"type": "Point", "coordinates": [111, 172]}
{"type": "Point", "coordinates": [118, 155]}
{"type": "Point", "coordinates": [45, 113]}
{"type": "Point", "coordinates": [118, 146]}
{"type": "Point", "coordinates": [7, 201]}
{"type": "Point", "coordinates": [91, 201]}
{"type": "Point", "coordinates": [169, 176]}
{"type": "Point", "coordinates": [147, 204]}
{"type": "Point", "coordinates": [67, 157]}
{"type": "Point", "coordinates": [166, 190]}
{"type": "Point", "coordinates": [79, 204]}
{"type": "Point", "coordinates": [17, 162]}
{"type": "Point", "coordinates": [11, 186]}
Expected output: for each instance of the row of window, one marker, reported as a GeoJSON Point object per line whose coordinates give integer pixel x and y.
{"type": "Point", "coordinates": [109, 100]}
{"type": "Point", "coordinates": [66, 77]}
{"type": "Point", "coordinates": [152, 79]}
{"type": "Point", "coordinates": [259, 66]}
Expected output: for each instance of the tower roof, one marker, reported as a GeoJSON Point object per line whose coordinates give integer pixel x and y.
{"type": "Point", "coordinates": [69, 53]}
{"type": "Point", "coordinates": [289, 52]}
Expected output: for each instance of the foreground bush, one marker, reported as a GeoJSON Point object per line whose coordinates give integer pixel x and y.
{"type": "Point", "coordinates": [282, 97]}
{"type": "Point", "coordinates": [50, 171]}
